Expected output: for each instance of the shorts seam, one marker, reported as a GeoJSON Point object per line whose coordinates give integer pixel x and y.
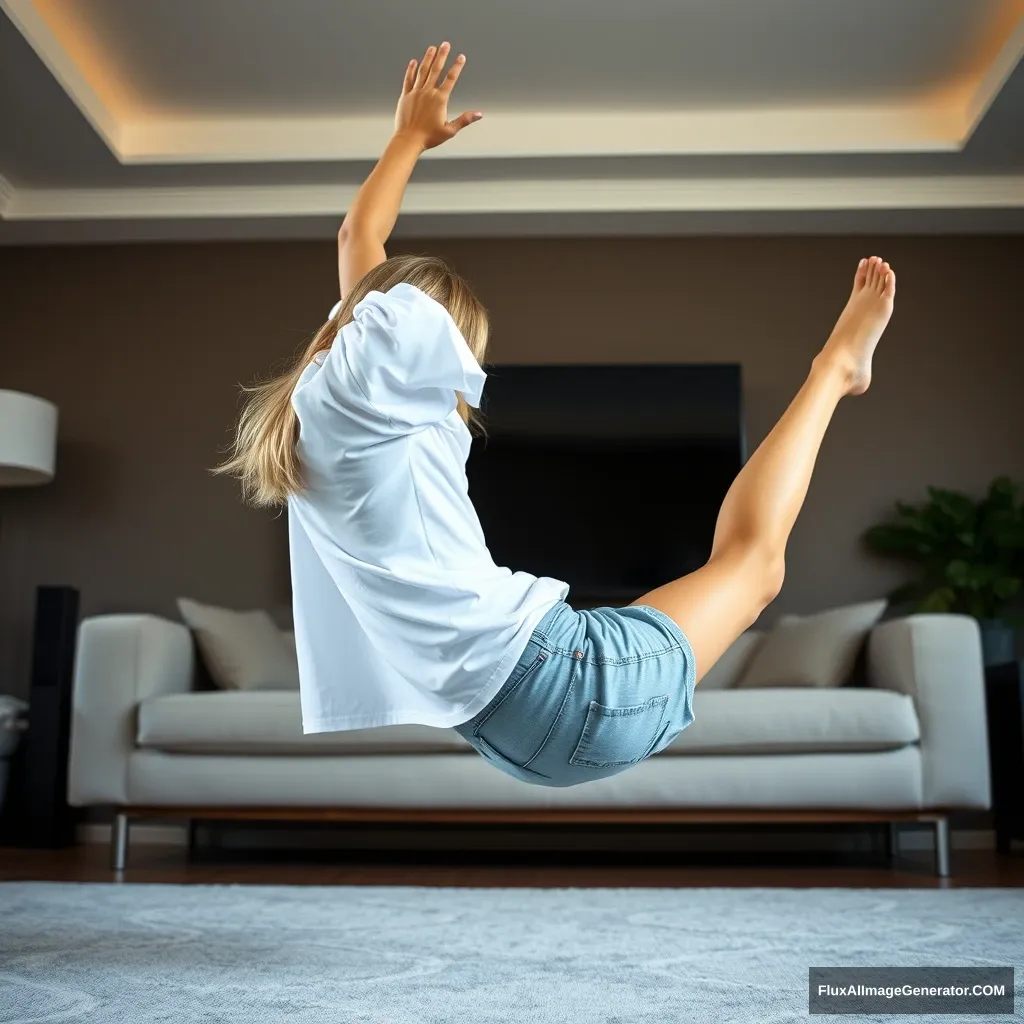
{"type": "Point", "coordinates": [478, 723]}
{"type": "Point", "coordinates": [653, 615]}
{"type": "Point", "coordinates": [542, 640]}
{"type": "Point", "coordinates": [573, 680]}
{"type": "Point", "coordinates": [633, 659]}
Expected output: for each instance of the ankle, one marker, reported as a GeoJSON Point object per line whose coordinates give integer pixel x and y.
{"type": "Point", "coordinates": [834, 370]}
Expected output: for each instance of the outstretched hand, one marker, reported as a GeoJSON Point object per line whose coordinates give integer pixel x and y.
{"type": "Point", "coordinates": [421, 122]}
{"type": "Point", "coordinates": [423, 106]}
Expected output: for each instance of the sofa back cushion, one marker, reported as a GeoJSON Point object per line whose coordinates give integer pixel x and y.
{"type": "Point", "coordinates": [241, 650]}
{"type": "Point", "coordinates": [817, 650]}
{"type": "Point", "coordinates": [726, 672]}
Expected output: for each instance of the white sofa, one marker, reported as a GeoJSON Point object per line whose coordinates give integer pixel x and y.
{"type": "Point", "coordinates": [909, 746]}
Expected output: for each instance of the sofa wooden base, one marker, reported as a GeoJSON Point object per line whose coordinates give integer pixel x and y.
{"type": "Point", "coordinates": [589, 816]}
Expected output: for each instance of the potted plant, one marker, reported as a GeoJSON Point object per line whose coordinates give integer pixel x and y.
{"type": "Point", "coordinates": [970, 557]}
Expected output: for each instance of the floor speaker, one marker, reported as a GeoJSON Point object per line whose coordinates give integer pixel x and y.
{"type": "Point", "coordinates": [46, 820]}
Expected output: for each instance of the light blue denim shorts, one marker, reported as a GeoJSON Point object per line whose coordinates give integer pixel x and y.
{"type": "Point", "coordinates": [595, 692]}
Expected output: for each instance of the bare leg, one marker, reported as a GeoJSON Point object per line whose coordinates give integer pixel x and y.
{"type": "Point", "coordinates": [744, 574]}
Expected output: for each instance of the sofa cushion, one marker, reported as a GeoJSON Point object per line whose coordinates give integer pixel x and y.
{"type": "Point", "coordinates": [816, 650]}
{"type": "Point", "coordinates": [798, 720]}
{"type": "Point", "coordinates": [774, 721]}
{"type": "Point", "coordinates": [269, 722]}
{"type": "Point", "coordinates": [726, 672]}
{"type": "Point", "coordinates": [242, 650]}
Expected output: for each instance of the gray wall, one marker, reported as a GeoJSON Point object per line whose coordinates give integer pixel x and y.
{"type": "Point", "coordinates": [142, 348]}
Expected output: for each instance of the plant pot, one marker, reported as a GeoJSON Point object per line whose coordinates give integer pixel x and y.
{"type": "Point", "coordinates": [998, 642]}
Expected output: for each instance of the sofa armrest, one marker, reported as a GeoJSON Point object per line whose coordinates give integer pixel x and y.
{"type": "Point", "coordinates": [937, 661]}
{"type": "Point", "coordinates": [119, 662]}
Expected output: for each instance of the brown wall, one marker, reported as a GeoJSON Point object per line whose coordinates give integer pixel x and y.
{"type": "Point", "coordinates": [142, 346]}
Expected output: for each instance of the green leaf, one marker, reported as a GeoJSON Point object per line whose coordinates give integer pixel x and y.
{"type": "Point", "coordinates": [1003, 487]}
{"type": "Point", "coordinates": [1006, 587]}
{"type": "Point", "coordinates": [891, 539]}
{"type": "Point", "coordinates": [952, 504]}
{"type": "Point", "coordinates": [978, 576]}
{"type": "Point", "coordinates": [957, 572]}
{"type": "Point", "coordinates": [939, 600]}
{"type": "Point", "coordinates": [970, 552]}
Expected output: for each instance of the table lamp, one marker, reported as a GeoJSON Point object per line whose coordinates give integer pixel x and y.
{"type": "Point", "coordinates": [28, 439]}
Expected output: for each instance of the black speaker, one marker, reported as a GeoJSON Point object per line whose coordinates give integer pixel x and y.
{"type": "Point", "coordinates": [46, 820]}
{"type": "Point", "coordinates": [1004, 697]}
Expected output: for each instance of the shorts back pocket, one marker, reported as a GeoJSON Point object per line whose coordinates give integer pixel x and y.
{"type": "Point", "coordinates": [618, 736]}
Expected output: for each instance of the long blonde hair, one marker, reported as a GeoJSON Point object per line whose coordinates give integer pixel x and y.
{"type": "Point", "coordinates": [262, 454]}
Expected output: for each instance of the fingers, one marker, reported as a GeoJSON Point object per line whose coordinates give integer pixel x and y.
{"type": "Point", "coordinates": [431, 68]}
{"type": "Point", "coordinates": [437, 67]}
{"type": "Point", "coordinates": [410, 77]}
{"type": "Point", "coordinates": [453, 75]}
{"type": "Point", "coordinates": [424, 68]}
{"type": "Point", "coordinates": [464, 120]}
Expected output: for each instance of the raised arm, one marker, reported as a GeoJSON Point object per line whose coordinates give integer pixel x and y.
{"type": "Point", "coordinates": [421, 123]}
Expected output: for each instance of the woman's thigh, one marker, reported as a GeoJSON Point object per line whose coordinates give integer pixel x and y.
{"type": "Point", "coordinates": [712, 606]}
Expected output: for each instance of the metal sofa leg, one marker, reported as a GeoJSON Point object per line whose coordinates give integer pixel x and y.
{"type": "Point", "coordinates": [893, 845]}
{"type": "Point", "coordinates": [119, 842]}
{"type": "Point", "coordinates": [942, 847]}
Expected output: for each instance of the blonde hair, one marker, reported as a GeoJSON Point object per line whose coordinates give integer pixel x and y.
{"type": "Point", "coordinates": [262, 454]}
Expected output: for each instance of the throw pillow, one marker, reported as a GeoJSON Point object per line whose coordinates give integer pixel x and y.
{"type": "Point", "coordinates": [241, 650]}
{"type": "Point", "coordinates": [816, 650]}
{"type": "Point", "coordinates": [725, 672]}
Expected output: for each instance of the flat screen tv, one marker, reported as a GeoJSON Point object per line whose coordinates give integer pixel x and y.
{"type": "Point", "coordinates": [607, 477]}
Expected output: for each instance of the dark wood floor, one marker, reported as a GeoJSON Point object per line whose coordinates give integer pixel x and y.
{"type": "Point", "coordinates": [172, 864]}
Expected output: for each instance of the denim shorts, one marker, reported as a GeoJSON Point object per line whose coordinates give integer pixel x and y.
{"type": "Point", "coordinates": [594, 692]}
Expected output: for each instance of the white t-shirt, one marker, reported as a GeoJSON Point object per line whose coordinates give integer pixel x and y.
{"type": "Point", "coordinates": [401, 615]}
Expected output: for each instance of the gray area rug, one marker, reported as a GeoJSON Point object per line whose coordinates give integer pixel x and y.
{"type": "Point", "coordinates": [255, 954]}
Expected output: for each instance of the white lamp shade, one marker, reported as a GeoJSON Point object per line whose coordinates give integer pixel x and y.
{"type": "Point", "coordinates": [28, 439]}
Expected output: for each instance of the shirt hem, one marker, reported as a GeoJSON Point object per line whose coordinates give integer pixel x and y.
{"type": "Point", "coordinates": [451, 719]}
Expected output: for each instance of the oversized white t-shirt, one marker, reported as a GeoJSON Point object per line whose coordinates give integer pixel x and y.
{"type": "Point", "coordinates": [401, 615]}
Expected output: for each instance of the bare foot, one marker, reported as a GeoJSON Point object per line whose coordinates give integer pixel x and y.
{"type": "Point", "coordinates": [853, 339]}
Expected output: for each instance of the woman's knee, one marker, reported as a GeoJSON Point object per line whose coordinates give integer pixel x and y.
{"type": "Point", "coordinates": [774, 577]}
{"type": "Point", "coordinates": [764, 572]}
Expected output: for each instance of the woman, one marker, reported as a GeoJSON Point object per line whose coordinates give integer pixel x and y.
{"type": "Point", "coordinates": [401, 615]}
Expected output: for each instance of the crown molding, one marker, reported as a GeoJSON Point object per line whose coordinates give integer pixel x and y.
{"type": "Point", "coordinates": [73, 78]}
{"type": "Point", "coordinates": [990, 84]}
{"type": "Point", "coordinates": [526, 196]}
{"type": "Point", "coordinates": [921, 128]}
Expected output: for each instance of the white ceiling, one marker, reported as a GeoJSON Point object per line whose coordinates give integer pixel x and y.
{"type": "Point", "coordinates": [130, 119]}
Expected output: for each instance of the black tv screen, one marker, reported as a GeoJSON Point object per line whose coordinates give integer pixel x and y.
{"type": "Point", "coordinates": [607, 477]}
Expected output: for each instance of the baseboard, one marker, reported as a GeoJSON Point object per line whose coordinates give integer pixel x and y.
{"type": "Point", "coordinates": [911, 838]}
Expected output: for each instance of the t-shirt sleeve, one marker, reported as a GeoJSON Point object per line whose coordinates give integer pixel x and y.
{"type": "Point", "coordinates": [398, 365]}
